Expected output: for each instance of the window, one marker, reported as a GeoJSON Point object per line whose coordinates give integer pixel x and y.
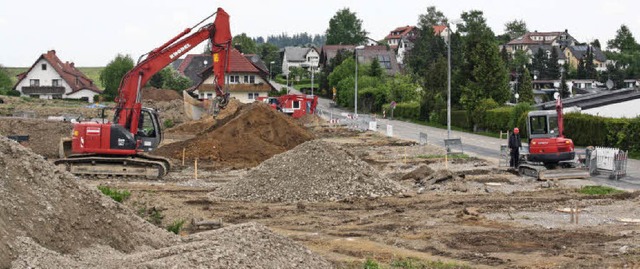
{"type": "Point", "coordinates": [209, 95]}
{"type": "Point", "coordinates": [553, 124]}
{"type": "Point", "coordinates": [538, 125]}
{"type": "Point", "coordinates": [34, 82]}
{"type": "Point", "coordinates": [246, 79]}
{"type": "Point", "coordinates": [254, 95]}
{"type": "Point", "coordinates": [252, 79]}
{"type": "Point", "coordinates": [234, 79]}
{"type": "Point", "coordinates": [145, 125]}
{"type": "Point", "coordinates": [44, 66]}
{"type": "Point", "coordinates": [55, 82]}
{"type": "Point", "coordinates": [385, 61]}
{"type": "Point", "coordinates": [296, 104]}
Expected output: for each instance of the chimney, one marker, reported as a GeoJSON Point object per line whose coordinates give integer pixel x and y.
{"type": "Point", "coordinates": [72, 65]}
{"type": "Point", "coordinates": [51, 52]}
{"type": "Point", "coordinates": [566, 30]}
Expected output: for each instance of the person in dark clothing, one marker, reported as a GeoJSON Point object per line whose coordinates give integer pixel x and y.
{"type": "Point", "coordinates": [514, 147]}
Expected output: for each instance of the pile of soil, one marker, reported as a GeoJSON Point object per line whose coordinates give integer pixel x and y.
{"type": "Point", "coordinates": [313, 171]}
{"type": "Point", "coordinates": [44, 136]}
{"type": "Point", "coordinates": [47, 220]}
{"type": "Point", "coordinates": [311, 120]}
{"type": "Point", "coordinates": [160, 95]}
{"type": "Point", "coordinates": [172, 111]}
{"type": "Point", "coordinates": [256, 133]}
{"type": "Point", "coordinates": [208, 123]}
{"type": "Point", "coordinates": [247, 245]}
{"type": "Point", "coordinates": [48, 206]}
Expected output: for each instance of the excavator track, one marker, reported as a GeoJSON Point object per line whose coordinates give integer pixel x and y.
{"type": "Point", "coordinates": [542, 173]}
{"type": "Point", "coordinates": [140, 165]}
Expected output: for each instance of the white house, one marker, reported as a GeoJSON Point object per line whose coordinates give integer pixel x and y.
{"type": "Point", "coordinates": [300, 57]}
{"type": "Point", "coordinates": [50, 78]}
{"type": "Point", "coordinates": [245, 81]}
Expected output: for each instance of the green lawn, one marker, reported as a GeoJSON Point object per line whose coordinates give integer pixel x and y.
{"type": "Point", "coordinates": [92, 72]}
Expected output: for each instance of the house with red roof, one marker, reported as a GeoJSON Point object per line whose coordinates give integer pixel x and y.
{"type": "Point", "coordinates": [402, 38]}
{"type": "Point", "coordinates": [246, 80]}
{"type": "Point", "coordinates": [50, 78]}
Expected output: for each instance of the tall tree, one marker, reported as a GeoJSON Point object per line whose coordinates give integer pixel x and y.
{"type": "Point", "coordinates": [345, 28]}
{"type": "Point", "coordinates": [538, 63]}
{"type": "Point", "coordinates": [553, 67]}
{"type": "Point", "coordinates": [112, 74]}
{"type": "Point", "coordinates": [504, 55]}
{"type": "Point", "coordinates": [589, 66]}
{"type": "Point", "coordinates": [582, 71]}
{"type": "Point", "coordinates": [375, 70]}
{"type": "Point", "coordinates": [244, 44]}
{"type": "Point", "coordinates": [624, 41]}
{"type": "Point", "coordinates": [596, 44]}
{"type": "Point", "coordinates": [526, 90]}
{"type": "Point", "coordinates": [564, 89]}
{"type": "Point", "coordinates": [484, 72]}
{"type": "Point", "coordinates": [431, 18]}
{"type": "Point", "coordinates": [515, 28]}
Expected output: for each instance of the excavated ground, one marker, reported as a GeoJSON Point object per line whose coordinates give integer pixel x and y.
{"type": "Point", "coordinates": [461, 211]}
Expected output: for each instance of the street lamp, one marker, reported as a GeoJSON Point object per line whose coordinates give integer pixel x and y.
{"type": "Point", "coordinates": [270, 70]}
{"type": "Point", "coordinates": [355, 98]}
{"type": "Point", "coordinates": [449, 79]}
{"type": "Point", "coordinates": [311, 68]}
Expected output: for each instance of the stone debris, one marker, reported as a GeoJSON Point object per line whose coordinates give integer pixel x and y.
{"type": "Point", "coordinates": [48, 220]}
{"type": "Point", "coordinates": [314, 171]}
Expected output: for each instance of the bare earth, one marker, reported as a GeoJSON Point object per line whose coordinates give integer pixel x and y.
{"type": "Point", "coordinates": [418, 205]}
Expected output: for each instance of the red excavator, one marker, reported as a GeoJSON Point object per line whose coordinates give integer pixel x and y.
{"type": "Point", "coordinates": [118, 148]}
{"type": "Point", "coordinates": [294, 105]}
{"type": "Point", "coordinates": [551, 155]}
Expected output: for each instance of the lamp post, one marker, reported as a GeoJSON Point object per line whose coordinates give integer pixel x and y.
{"type": "Point", "coordinates": [270, 70]}
{"type": "Point", "coordinates": [355, 98]}
{"type": "Point", "coordinates": [311, 68]}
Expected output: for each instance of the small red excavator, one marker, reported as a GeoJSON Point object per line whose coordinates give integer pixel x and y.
{"type": "Point", "coordinates": [118, 148]}
{"type": "Point", "coordinates": [551, 155]}
{"type": "Point", "coordinates": [294, 105]}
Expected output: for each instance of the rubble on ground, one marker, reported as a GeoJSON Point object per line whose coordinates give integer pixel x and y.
{"type": "Point", "coordinates": [44, 136]}
{"type": "Point", "coordinates": [313, 171]}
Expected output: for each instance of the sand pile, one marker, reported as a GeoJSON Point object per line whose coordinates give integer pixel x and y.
{"type": "Point", "coordinates": [44, 136]}
{"type": "Point", "coordinates": [47, 220]}
{"type": "Point", "coordinates": [208, 123]}
{"type": "Point", "coordinates": [311, 120]}
{"type": "Point", "coordinates": [255, 134]}
{"type": "Point", "coordinates": [314, 171]}
{"type": "Point", "coordinates": [48, 206]}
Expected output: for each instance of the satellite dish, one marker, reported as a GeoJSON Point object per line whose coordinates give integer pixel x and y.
{"type": "Point", "coordinates": [609, 84]}
{"type": "Point", "coordinates": [556, 95]}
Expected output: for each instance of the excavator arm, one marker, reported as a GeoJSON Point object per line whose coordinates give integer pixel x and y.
{"type": "Point", "coordinates": [129, 99]}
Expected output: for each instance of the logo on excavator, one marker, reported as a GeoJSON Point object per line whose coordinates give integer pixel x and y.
{"type": "Point", "coordinates": [216, 58]}
{"type": "Point", "coordinates": [180, 51]}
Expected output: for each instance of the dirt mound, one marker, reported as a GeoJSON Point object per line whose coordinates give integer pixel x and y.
{"type": "Point", "coordinates": [160, 95]}
{"type": "Point", "coordinates": [40, 202]}
{"type": "Point", "coordinates": [207, 123]}
{"type": "Point", "coordinates": [171, 112]}
{"type": "Point", "coordinates": [314, 171]}
{"type": "Point", "coordinates": [255, 134]}
{"type": "Point", "coordinates": [311, 119]}
{"type": "Point", "coordinates": [44, 136]}
{"type": "Point", "coordinates": [248, 245]}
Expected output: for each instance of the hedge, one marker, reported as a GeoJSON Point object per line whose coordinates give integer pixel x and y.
{"type": "Point", "coordinates": [589, 130]}
{"type": "Point", "coordinates": [459, 118]}
{"type": "Point", "coordinates": [408, 110]}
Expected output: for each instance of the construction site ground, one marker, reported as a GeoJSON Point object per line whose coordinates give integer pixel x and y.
{"type": "Point", "coordinates": [462, 211]}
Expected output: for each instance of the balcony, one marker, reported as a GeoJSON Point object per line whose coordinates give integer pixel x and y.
{"type": "Point", "coordinates": [42, 90]}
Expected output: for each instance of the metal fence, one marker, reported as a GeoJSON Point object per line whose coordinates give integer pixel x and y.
{"type": "Point", "coordinates": [610, 160]}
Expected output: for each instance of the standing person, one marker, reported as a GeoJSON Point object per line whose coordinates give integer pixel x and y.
{"type": "Point", "coordinates": [514, 147]}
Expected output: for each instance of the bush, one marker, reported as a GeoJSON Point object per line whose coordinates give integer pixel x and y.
{"type": "Point", "coordinates": [409, 110]}
{"type": "Point", "coordinates": [498, 119]}
{"type": "Point", "coordinates": [480, 112]}
{"type": "Point", "coordinates": [13, 93]}
{"type": "Point", "coordinates": [176, 227]}
{"type": "Point", "coordinates": [115, 194]}
{"type": "Point", "coordinates": [598, 190]}
{"type": "Point", "coordinates": [168, 123]}
{"type": "Point", "coordinates": [459, 118]}
{"type": "Point", "coordinates": [589, 130]}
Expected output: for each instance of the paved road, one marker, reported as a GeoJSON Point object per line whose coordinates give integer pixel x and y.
{"type": "Point", "coordinates": [472, 144]}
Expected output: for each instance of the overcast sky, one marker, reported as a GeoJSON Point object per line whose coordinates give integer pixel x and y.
{"type": "Point", "coordinates": [91, 33]}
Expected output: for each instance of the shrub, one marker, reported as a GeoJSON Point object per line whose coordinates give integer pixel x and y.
{"type": "Point", "coordinates": [115, 194]}
{"type": "Point", "coordinates": [408, 110]}
{"type": "Point", "coordinates": [168, 123]}
{"type": "Point", "coordinates": [176, 227]}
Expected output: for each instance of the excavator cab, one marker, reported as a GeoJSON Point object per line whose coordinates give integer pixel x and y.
{"type": "Point", "coordinates": [149, 129]}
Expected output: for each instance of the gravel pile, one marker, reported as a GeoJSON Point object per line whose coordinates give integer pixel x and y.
{"type": "Point", "coordinates": [247, 245]}
{"type": "Point", "coordinates": [48, 220]}
{"type": "Point", "coordinates": [314, 171]}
